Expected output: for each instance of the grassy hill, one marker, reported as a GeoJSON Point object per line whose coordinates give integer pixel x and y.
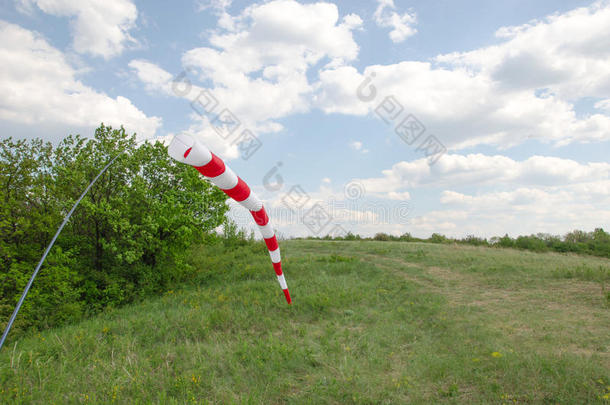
{"type": "Point", "coordinates": [372, 322]}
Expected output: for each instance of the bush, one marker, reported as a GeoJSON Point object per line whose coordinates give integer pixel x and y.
{"type": "Point", "coordinates": [473, 240]}
{"type": "Point", "coordinates": [383, 237]}
{"type": "Point", "coordinates": [531, 243]}
{"type": "Point", "coordinates": [437, 238]}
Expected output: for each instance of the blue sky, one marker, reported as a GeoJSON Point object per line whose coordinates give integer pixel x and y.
{"type": "Point", "coordinates": [516, 93]}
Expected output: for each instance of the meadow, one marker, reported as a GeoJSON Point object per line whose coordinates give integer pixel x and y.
{"type": "Point", "coordinates": [371, 323]}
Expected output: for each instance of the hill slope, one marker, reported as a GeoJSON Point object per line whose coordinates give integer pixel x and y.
{"type": "Point", "coordinates": [372, 322]}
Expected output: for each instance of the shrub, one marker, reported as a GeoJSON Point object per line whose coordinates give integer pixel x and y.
{"type": "Point", "coordinates": [437, 238]}
{"type": "Point", "coordinates": [384, 237]}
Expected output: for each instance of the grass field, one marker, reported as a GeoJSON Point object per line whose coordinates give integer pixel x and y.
{"type": "Point", "coordinates": [372, 322]}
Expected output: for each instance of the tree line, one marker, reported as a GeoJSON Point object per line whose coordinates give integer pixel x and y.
{"type": "Point", "coordinates": [596, 243]}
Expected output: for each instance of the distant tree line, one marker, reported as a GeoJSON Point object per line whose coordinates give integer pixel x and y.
{"type": "Point", "coordinates": [596, 243]}
{"type": "Point", "coordinates": [128, 238]}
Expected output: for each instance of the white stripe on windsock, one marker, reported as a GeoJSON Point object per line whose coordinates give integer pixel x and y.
{"type": "Point", "coordinates": [225, 181]}
{"type": "Point", "coordinates": [282, 281]}
{"type": "Point", "coordinates": [252, 203]}
{"type": "Point", "coordinates": [266, 230]}
{"type": "Point", "coordinates": [275, 255]}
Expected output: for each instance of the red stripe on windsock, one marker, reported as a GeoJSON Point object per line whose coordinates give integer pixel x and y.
{"type": "Point", "coordinates": [278, 268]}
{"type": "Point", "coordinates": [240, 192]}
{"type": "Point", "coordinates": [271, 243]}
{"type": "Point", "coordinates": [213, 168]}
{"type": "Point", "coordinates": [287, 295]}
{"type": "Point", "coordinates": [260, 217]}
{"type": "Point", "coordinates": [187, 152]}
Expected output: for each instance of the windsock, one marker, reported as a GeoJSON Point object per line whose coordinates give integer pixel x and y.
{"type": "Point", "coordinates": [186, 149]}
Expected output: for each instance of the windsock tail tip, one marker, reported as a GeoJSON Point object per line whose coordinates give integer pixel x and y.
{"type": "Point", "coordinates": [287, 295]}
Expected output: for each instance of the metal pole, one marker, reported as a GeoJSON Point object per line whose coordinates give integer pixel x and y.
{"type": "Point", "coordinates": [44, 256]}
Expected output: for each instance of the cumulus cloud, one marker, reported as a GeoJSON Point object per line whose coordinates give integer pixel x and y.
{"type": "Point", "coordinates": [524, 210]}
{"type": "Point", "coordinates": [603, 105]}
{"type": "Point", "coordinates": [99, 28]}
{"type": "Point", "coordinates": [522, 88]}
{"type": "Point", "coordinates": [358, 146]}
{"type": "Point", "coordinates": [537, 194]}
{"type": "Point", "coordinates": [401, 24]}
{"type": "Point", "coordinates": [258, 64]}
{"type": "Point", "coordinates": [40, 87]}
{"type": "Point", "coordinates": [568, 54]}
{"type": "Point", "coordinates": [219, 8]}
{"type": "Point", "coordinates": [483, 170]}
{"type": "Point", "coordinates": [155, 78]}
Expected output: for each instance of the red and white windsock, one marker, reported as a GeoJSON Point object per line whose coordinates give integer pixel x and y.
{"type": "Point", "coordinates": [186, 149]}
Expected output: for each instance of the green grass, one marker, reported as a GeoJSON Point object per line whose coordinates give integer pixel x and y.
{"type": "Point", "coordinates": [372, 322]}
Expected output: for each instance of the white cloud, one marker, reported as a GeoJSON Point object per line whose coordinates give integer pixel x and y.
{"type": "Point", "coordinates": [603, 105]}
{"type": "Point", "coordinates": [400, 196]}
{"type": "Point", "coordinates": [155, 78]}
{"type": "Point", "coordinates": [267, 50]}
{"type": "Point", "coordinates": [538, 194]}
{"type": "Point", "coordinates": [99, 28]}
{"type": "Point", "coordinates": [355, 145]}
{"type": "Point", "coordinates": [159, 80]}
{"type": "Point", "coordinates": [462, 109]}
{"type": "Point", "coordinates": [521, 211]}
{"type": "Point", "coordinates": [203, 5]}
{"type": "Point", "coordinates": [336, 91]}
{"type": "Point", "coordinates": [40, 87]}
{"type": "Point", "coordinates": [482, 170]}
{"type": "Point", "coordinates": [358, 146]}
{"type": "Point", "coordinates": [523, 88]}
{"type": "Point", "coordinates": [401, 24]}
{"type": "Point", "coordinates": [219, 8]}
{"type": "Point", "coordinates": [568, 54]}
